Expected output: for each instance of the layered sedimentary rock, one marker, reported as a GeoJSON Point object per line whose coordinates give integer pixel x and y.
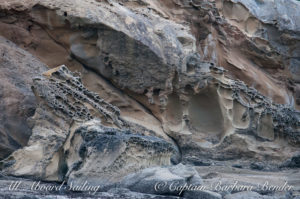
{"type": "Point", "coordinates": [217, 115]}
{"type": "Point", "coordinates": [168, 42]}
{"type": "Point", "coordinates": [272, 28]}
{"type": "Point", "coordinates": [63, 146]}
{"type": "Point", "coordinates": [103, 156]}
{"type": "Point", "coordinates": [198, 82]}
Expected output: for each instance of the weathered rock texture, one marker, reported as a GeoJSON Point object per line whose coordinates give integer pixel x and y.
{"type": "Point", "coordinates": [158, 180]}
{"type": "Point", "coordinates": [272, 31]}
{"type": "Point", "coordinates": [17, 68]}
{"type": "Point", "coordinates": [212, 82]}
{"type": "Point", "coordinates": [58, 146]}
{"type": "Point", "coordinates": [220, 118]}
{"type": "Point", "coordinates": [103, 156]}
{"type": "Point", "coordinates": [24, 191]}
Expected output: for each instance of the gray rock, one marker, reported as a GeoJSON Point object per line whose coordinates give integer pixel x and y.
{"type": "Point", "coordinates": [255, 195]}
{"type": "Point", "coordinates": [24, 191]}
{"type": "Point", "coordinates": [17, 68]}
{"type": "Point", "coordinates": [293, 162]}
{"type": "Point", "coordinates": [246, 195]}
{"type": "Point", "coordinates": [280, 27]}
{"type": "Point", "coordinates": [124, 193]}
{"type": "Point", "coordinates": [173, 180]}
{"type": "Point", "coordinates": [284, 12]}
{"type": "Point", "coordinates": [202, 195]}
{"type": "Point", "coordinates": [105, 155]}
{"type": "Point", "coordinates": [122, 49]}
{"type": "Point", "coordinates": [295, 69]}
{"type": "Point", "coordinates": [257, 166]}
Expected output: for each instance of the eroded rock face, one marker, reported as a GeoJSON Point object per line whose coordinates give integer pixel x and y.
{"type": "Point", "coordinates": [163, 62]}
{"type": "Point", "coordinates": [160, 88]}
{"type": "Point", "coordinates": [272, 34]}
{"type": "Point", "coordinates": [17, 68]}
{"type": "Point", "coordinates": [215, 112]}
{"type": "Point", "coordinates": [103, 156]}
{"type": "Point", "coordinates": [61, 146]}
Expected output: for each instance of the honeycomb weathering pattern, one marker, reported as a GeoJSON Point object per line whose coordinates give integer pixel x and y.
{"type": "Point", "coordinates": [66, 113]}
{"type": "Point", "coordinates": [64, 92]}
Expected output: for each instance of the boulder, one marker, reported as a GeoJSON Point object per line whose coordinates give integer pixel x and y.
{"type": "Point", "coordinates": [248, 195]}
{"type": "Point", "coordinates": [202, 195]}
{"type": "Point", "coordinates": [103, 156]}
{"type": "Point", "coordinates": [172, 180]}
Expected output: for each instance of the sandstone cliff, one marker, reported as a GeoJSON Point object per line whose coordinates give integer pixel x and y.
{"type": "Point", "coordinates": [127, 93]}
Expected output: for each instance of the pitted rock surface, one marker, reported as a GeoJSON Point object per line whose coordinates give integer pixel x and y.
{"type": "Point", "coordinates": [105, 155]}
{"type": "Point", "coordinates": [64, 106]}
{"type": "Point", "coordinates": [210, 83]}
